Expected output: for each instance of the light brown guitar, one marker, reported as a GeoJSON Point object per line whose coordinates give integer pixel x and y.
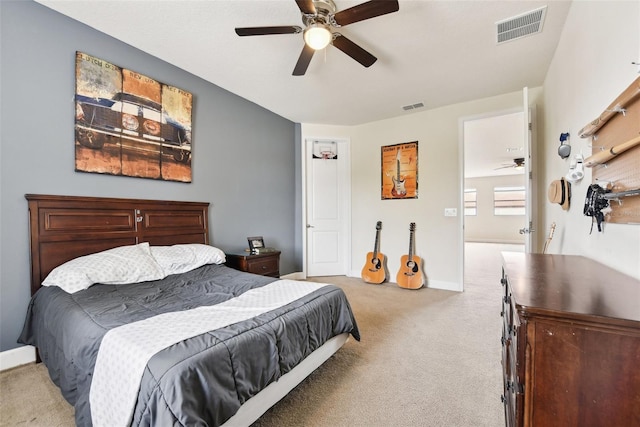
{"type": "Point", "coordinates": [374, 270]}
{"type": "Point", "coordinates": [548, 241]}
{"type": "Point", "coordinates": [410, 274]}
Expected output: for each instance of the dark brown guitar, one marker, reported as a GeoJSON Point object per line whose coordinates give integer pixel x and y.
{"type": "Point", "coordinates": [374, 270]}
{"type": "Point", "coordinates": [410, 274]}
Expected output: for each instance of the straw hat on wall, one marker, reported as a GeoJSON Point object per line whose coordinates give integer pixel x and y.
{"type": "Point", "coordinates": [560, 193]}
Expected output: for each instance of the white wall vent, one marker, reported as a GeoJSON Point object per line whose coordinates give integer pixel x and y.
{"type": "Point", "coordinates": [521, 26]}
{"type": "Point", "coordinates": [413, 106]}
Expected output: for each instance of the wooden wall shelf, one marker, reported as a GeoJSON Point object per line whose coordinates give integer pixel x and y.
{"type": "Point", "coordinates": [619, 123]}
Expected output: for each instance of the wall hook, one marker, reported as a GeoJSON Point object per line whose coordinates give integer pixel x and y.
{"type": "Point", "coordinates": [594, 138]}
{"type": "Point", "coordinates": [618, 109]}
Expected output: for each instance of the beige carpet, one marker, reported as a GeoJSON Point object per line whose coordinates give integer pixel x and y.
{"type": "Point", "coordinates": [427, 358]}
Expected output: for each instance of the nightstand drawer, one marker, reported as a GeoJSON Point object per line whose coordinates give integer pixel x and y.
{"type": "Point", "coordinates": [264, 266]}
{"type": "Point", "coordinates": [267, 264]}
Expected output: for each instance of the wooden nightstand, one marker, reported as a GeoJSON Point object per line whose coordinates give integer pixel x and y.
{"type": "Point", "coordinates": [267, 264]}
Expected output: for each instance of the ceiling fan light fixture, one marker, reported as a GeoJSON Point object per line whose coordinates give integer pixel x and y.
{"type": "Point", "coordinates": [518, 163]}
{"type": "Point", "coordinates": [317, 36]}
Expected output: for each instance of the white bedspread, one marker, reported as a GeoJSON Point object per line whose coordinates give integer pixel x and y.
{"type": "Point", "coordinates": [125, 351]}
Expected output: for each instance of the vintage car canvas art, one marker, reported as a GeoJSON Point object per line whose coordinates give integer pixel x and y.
{"type": "Point", "coordinates": [129, 124]}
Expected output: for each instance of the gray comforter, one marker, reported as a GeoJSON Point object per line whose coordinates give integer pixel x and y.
{"type": "Point", "coordinates": [202, 380]}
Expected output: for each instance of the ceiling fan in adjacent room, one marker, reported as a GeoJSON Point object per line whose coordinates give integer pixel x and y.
{"type": "Point", "coordinates": [318, 16]}
{"type": "Point", "coordinates": [518, 163]}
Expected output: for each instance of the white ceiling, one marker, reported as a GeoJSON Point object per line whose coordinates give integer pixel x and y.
{"type": "Point", "coordinates": [432, 52]}
{"type": "Point", "coordinates": [491, 144]}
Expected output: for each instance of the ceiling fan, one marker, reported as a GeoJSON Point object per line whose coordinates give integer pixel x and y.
{"type": "Point", "coordinates": [518, 163]}
{"type": "Point", "coordinates": [318, 16]}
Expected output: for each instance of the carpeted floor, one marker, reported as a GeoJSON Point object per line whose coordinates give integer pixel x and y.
{"type": "Point", "coordinates": [427, 358]}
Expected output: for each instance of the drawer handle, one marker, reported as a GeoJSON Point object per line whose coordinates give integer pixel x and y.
{"type": "Point", "coordinates": [264, 267]}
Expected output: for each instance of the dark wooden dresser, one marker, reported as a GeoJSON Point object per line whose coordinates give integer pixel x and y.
{"type": "Point", "coordinates": [570, 342]}
{"type": "Point", "coordinates": [267, 264]}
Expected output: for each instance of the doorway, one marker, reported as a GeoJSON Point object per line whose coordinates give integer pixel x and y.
{"type": "Point", "coordinates": [496, 180]}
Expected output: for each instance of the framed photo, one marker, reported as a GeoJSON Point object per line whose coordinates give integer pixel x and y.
{"type": "Point", "coordinates": [256, 242]}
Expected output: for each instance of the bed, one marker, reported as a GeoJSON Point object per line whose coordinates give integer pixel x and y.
{"type": "Point", "coordinates": [194, 344]}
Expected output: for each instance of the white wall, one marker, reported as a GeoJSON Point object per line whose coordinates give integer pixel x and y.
{"type": "Point", "coordinates": [591, 67]}
{"type": "Point", "coordinates": [485, 226]}
{"type": "Point", "coordinates": [438, 238]}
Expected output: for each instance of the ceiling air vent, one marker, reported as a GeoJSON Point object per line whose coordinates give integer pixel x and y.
{"type": "Point", "coordinates": [413, 106]}
{"type": "Point", "coordinates": [521, 26]}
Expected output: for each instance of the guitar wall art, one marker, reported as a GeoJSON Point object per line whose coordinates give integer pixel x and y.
{"type": "Point", "coordinates": [399, 178]}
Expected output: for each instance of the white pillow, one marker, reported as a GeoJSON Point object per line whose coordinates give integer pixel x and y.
{"type": "Point", "coordinates": [182, 258]}
{"type": "Point", "coordinates": [117, 266]}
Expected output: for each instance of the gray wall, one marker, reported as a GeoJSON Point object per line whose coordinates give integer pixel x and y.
{"type": "Point", "coordinates": [245, 163]}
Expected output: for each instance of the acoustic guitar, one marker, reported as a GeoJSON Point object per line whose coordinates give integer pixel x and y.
{"type": "Point", "coordinates": [548, 241]}
{"type": "Point", "coordinates": [398, 189]}
{"type": "Point", "coordinates": [374, 270]}
{"type": "Point", "coordinates": [410, 274]}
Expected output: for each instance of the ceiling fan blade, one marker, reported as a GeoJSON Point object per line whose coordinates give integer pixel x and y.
{"type": "Point", "coordinates": [303, 61]}
{"type": "Point", "coordinates": [367, 10]}
{"type": "Point", "coordinates": [263, 31]}
{"type": "Point", "coordinates": [353, 50]}
{"type": "Point", "coordinates": [306, 6]}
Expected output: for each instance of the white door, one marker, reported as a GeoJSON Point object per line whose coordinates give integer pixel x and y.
{"type": "Point", "coordinates": [529, 169]}
{"type": "Point", "coordinates": [327, 207]}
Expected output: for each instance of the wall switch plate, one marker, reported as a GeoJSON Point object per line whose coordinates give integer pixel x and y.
{"type": "Point", "coordinates": [450, 212]}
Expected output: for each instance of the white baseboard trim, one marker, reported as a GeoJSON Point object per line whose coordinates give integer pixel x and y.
{"type": "Point", "coordinates": [445, 286]}
{"type": "Point", "coordinates": [294, 276]}
{"type": "Point", "coordinates": [17, 356]}
{"type": "Point", "coordinates": [432, 284]}
{"type": "Point", "coordinates": [502, 241]}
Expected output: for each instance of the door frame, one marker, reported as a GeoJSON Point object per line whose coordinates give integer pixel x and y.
{"type": "Point", "coordinates": [531, 233]}
{"type": "Point", "coordinates": [306, 151]}
{"type": "Point", "coordinates": [529, 116]}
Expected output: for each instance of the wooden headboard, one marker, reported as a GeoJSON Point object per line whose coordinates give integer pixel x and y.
{"type": "Point", "coordinates": [65, 227]}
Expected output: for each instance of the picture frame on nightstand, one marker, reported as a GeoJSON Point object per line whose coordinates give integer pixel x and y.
{"type": "Point", "coordinates": [255, 243]}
